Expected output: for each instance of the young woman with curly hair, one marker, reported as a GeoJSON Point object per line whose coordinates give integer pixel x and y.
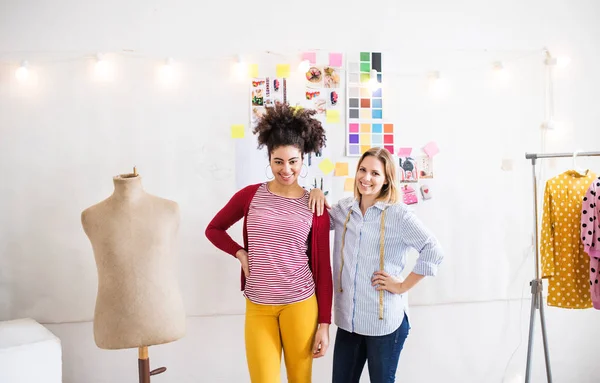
{"type": "Point", "coordinates": [286, 274]}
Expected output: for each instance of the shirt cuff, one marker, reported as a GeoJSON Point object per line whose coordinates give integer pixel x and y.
{"type": "Point", "coordinates": [425, 268]}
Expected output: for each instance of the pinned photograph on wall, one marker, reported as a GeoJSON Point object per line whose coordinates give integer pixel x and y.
{"type": "Point", "coordinates": [408, 169]}
{"type": "Point", "coordinates": [425, 166]}
{"type": "Point", "coordinates": [259, 90]}
{"type": "Point", "coordinates": [331, 78]}
{"type": "Point", "coordinates": [265, 92]}
{"type": "Point", "coordinates": [409, 196]}
{"type": "Point", "coordinates": [332, 100]}
{"type": "Point", "coordinates": [274, 91]}
{"type": "Point", "coordinates": [314, 77]}
{"type": "Point", "coordinates": [256, 113]}
{"type": "Point", "coordinates": [316, 100]}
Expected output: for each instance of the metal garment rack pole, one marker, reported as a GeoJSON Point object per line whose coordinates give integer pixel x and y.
{"type": "Point", "coordinates": [537, 302]}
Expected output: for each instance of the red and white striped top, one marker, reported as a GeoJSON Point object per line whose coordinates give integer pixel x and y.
{"type": "Point", "coordinates": [278, 229]}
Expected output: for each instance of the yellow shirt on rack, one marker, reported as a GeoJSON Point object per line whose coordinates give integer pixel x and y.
{"type": "Point", "coordinates": [564, 262]}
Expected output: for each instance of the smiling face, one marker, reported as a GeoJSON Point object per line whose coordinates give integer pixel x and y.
{"type": "Point", "coordinates": [370, 177]}
{"type": "Point", "coordinates": [286, 164]}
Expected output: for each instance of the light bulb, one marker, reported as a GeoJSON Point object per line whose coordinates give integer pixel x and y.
{"type": "Point", "coordinates": [304, 66]}
{"type": "Point", "coordinates": [240, 69]}
{"type": "Point", "coordinates": [167, 72]}
{"type": "Point", "coordinates": [22, 73]}
{"type": "Point", "coordinates": [562, 62]}
{"type": "Point", "coordinates": [437, 85]}
{"type": "Point", "coordinates": [103, 70]}
{"type": "Point", "coordinates": [373, 83]}
{"type": "Point", "coordinates": [500, 72]}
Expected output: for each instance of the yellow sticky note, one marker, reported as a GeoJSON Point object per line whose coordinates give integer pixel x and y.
{"type": "Point", "coordinates": [349, 185]}
{"type": "Point", "coordinates": [332, 116]}
{"type": "Point", "coordinates": [253, 70]}
{"type": "Point", "coordinates": [326, 166]}
{"type": "Point", "coordinates": [341, 169]}
{"type": "Point", "coordinates": [283, 70]}
{"type": "Point", "coordinates": [237, 131]}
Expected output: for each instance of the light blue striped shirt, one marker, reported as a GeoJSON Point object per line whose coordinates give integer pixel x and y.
{"type": "Point", "coordinates": [356, 309]}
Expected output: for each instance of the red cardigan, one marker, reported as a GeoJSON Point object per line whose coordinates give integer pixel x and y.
{"type": "Point", "coordinates": [318, 251]}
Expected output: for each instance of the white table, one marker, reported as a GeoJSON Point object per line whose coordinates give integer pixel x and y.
{"type": "Point", "coordinates": [29, 353]}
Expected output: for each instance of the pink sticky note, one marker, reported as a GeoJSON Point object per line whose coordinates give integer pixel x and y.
{"type": "Point", "coordinates": [431, 149]}
{"type": "Point", "coordinates": [310, 56]}
{"type": "Point", "coordinates": [335, 59]}
{"type": "Point", "coordinates": [404, 152]}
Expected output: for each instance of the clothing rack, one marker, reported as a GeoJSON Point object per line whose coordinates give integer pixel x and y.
{"type": "Point", "coordinates": [537, 302]}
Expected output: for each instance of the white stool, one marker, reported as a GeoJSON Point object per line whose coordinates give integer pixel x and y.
{"type": "Point", "coordinates": [29, 353]}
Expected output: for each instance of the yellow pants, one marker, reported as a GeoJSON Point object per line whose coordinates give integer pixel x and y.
{"type": "Point", "coordinates": [269, 329]}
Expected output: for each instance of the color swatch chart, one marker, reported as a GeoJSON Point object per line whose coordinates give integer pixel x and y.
{"type": "Point", "coordinates": [365, 125]}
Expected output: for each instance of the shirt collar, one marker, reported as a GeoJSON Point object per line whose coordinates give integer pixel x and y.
{"type": "Point", "coordinates": [379, 204]}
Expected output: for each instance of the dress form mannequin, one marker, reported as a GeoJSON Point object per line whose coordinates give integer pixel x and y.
{"type": "Point", "coordinates": [133, 236]}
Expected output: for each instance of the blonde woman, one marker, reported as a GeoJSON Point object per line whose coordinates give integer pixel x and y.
{"type": "Point", "coordinates": [373, 234]}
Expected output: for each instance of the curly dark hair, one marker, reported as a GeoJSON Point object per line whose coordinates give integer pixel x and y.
{"type": "Point", "coordinates": [283, 125]}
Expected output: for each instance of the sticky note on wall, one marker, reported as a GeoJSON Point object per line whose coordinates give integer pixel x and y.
{"type": "Point", "coordinates": [335, 59]}
{"type": "Point", "coordinates": [431, 149]}
{"type": "Point", "coordinates": [404, 152]}
{"type": "Point", "coordinates": [341, 169]}
{"type": "Point", "coordinates": [349, 185]}
{"type": "Point", "coordinates": [237, 131]}
{"type": "Point", "coordinates": [332, 116]}
{"type": "Point", "coordinates": [253, 70]}
{"type": "Point", "coordinates": [283, 70]}
{"type": "Point", "coordinates": [326, 166]}
{"type": "Point", "coordinates": [310, 56]}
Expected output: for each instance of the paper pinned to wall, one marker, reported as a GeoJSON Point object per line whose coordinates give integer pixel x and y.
{"type": "Point", "coordinates": [283, 70]}
{"type": "Point", "coordinates": [310, 56]}
{"type": "Point", "coordinates": [425, 166]}
{"type": "Point", "coordinates": [341, 169]}
{"type": "Point", "coordinates": [252, 70]}
{"type": "Point", "coordinates": [332, 116]}
{"type": "Point", "coordinates": [431, 149]}
{"type": "Point", "coordinates": [237, 131]}
{"type": "Point", "coordinates": [404, 152]}
{"type": "Point", "coordinates": [326, 166]}
{"type": "Point", "coordinates": [349, 185]}
{"type": "Point", "coordinates": [335, 59]}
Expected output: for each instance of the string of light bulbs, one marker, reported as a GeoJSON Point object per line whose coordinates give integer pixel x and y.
{"type": "Point", "coordinates": [104, 68]}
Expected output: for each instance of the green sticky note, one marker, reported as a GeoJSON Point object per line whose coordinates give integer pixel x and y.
{"type": "Point", "coordinates": [365, 67]}
{"type": "Point", "coordinates": [237, 131]}
{"type": "Point", "coordinates": [365, 56]}
{"type": "Point", "coordinates": [326, 166]}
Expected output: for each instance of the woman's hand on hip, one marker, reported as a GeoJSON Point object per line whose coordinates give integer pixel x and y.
{"type": "Point", "coordinates": [384, 281]}
{"type": "Point", "coordinates": [321, 343]}
{"type": "Point", "coordinates": [242, 255]}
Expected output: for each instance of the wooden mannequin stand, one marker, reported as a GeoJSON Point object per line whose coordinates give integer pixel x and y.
{"type": "Point", "coordinates": [144, 366]}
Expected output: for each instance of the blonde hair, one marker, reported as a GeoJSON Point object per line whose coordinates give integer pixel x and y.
{"type": "Point", "coordinates": [389, 191]}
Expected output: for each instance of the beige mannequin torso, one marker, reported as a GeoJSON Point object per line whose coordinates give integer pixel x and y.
{"type": "Point", "coordinates": [133, 235]}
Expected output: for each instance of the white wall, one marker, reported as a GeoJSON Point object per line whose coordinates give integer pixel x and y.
{"type": "Point", "coordinates": [62, 141]}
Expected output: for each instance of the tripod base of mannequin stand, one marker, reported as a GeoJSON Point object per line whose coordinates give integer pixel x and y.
{"type": "Point", "coordinates": [537, 303]}
{"type": "Point", "coordinates": [144, 366]}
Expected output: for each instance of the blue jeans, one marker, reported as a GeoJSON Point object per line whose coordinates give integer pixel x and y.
{"type": "Point", "coordinates": [352, 350]}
